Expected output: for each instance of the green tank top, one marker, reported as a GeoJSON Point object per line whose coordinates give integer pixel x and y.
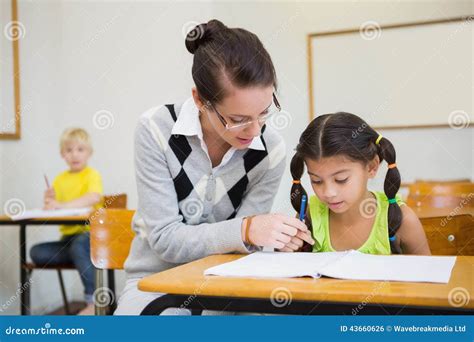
{"type": "Point", "coordinates": [377, 243]}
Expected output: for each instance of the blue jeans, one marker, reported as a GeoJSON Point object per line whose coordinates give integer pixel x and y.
{"type": "Point", "coordinates": [71, 249]}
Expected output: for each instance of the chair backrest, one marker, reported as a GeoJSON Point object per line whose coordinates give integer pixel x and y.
{"type": "Point", "coordinates": [451, 181]}
{"type": "Point", "coordinates": [118, 201]}
{"type": "Point", "coordinates": [441, 195]}
{"type": "Point", "coordinates": [428, 201]}
{"type": "Point", "coordinates": [111, 235]}
{"type": "Point", "coordinates": [441, 189]}
{"type": "Point", "coordinates": [450, 235]}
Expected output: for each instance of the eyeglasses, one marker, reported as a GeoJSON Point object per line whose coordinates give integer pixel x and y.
{"type": "Point", "coordinates": [245, 121]}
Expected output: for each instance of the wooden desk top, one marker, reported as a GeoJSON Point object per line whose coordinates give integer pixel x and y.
{"type": "Point", "coordinates": [189, 279]}
{"type": "Point", "coordinates": [425, 212]}
{"type": "Point", "coordinates": [7, 219]}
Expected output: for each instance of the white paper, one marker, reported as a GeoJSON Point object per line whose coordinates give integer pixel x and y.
{"type": "Point", "coordinates": [41, 213]}
{"type": "Point", "coordinates": [276, 265]}
{"type": "Point", "coordinates": [412, 268]}
{"type": "Point", "coordinates": [344, 265]}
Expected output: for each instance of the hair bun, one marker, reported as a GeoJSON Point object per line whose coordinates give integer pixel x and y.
{"type": "Point", "coordinates": [195, 37]}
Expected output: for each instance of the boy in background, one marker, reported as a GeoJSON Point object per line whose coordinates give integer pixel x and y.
{"type": "Point", "coordinates": [80, 186]}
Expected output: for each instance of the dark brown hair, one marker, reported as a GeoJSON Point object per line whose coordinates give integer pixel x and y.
{"type": "Point", "coordinates": [227, 53]}
{"type": "Point", "coordinates": [348, 135]}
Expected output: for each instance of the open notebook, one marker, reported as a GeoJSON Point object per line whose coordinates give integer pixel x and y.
{"type": "Point", "coordinates": [345, 265]}
{"type": "Point", "coordinates": [40, 213]}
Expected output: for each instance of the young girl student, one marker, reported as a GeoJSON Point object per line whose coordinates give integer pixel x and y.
{"type": "Point", "coordinates": [341, 153]}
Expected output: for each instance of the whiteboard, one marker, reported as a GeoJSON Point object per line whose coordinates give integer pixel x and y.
{"type": "Point", "coordinates": [395, 76]}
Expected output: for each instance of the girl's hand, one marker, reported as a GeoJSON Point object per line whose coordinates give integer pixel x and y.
{"type": "Point", "coordinates": [297, 242]}
{"type": "Point", "coordinates": [278, 231]}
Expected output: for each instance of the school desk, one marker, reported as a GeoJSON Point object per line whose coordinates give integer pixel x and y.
{"type": "Point", "coordinates": [187, 287]}
{"type": "Point", "coordinates": [7, 221]}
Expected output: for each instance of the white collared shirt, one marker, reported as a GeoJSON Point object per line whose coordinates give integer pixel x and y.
{"type": "Point", "coordinates": [189, 124]}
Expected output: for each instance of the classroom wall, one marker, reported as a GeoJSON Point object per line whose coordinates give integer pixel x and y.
{"type": "Point", "coordinates": [99, 65]}
{"type": "Point", "coordinates": [422, 153]}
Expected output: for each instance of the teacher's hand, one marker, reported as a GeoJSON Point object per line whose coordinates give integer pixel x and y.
{"type": "Point", "coordinates": [278, 231]}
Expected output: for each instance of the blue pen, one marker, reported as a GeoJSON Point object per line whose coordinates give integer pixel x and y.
{"type": "Point", "coordinates": [303, 208]}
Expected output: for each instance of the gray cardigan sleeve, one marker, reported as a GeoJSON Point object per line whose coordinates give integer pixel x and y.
{"type": "Point", "coordinates": [173, 240]}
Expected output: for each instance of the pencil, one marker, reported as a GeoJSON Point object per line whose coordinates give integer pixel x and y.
{"type": "Point", "coordinates": [46, 180]}
{"type": "Point", "coordinates": [303, 208]}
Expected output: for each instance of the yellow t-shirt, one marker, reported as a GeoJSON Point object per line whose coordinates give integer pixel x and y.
{"type": "Point", "coordinates": [72, 185]}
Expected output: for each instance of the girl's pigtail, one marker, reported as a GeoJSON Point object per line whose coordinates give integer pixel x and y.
{"type": "Point", "coordinates": [297, 192]}
{"type": "Point", "coordinates": [386, 152]}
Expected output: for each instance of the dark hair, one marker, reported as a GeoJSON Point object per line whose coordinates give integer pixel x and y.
{"type": "Point", "coordinates": [348, 135]}
{"type": "Point", "coordinates": [233, 54]}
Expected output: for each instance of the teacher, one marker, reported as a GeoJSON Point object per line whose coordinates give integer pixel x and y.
{"type": "Point", "coordinates": [208, 170]}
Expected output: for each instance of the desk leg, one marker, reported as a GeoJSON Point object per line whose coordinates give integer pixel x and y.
{"type": "Point", "coordinates": [24, 274]}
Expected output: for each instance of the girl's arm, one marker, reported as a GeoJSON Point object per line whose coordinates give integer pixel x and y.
{"type": "Point", "coordinates": [411, 234]}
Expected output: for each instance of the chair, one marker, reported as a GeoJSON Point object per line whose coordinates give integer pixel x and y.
{"type": "Point", "coordinates": [118, 201]}
{"type": "Point", "coordinates": [441, 195]}
{"type": "Point", "coordinates": [450, 235]}
{"type": "Point", "coordinates": [111, 238]}
{"type": "Point", "coordinates": [110, 201]}
{"type": "Point", "coordinates": [451, 181]}
{"type": "Point", "coordinates": [442, 188]}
